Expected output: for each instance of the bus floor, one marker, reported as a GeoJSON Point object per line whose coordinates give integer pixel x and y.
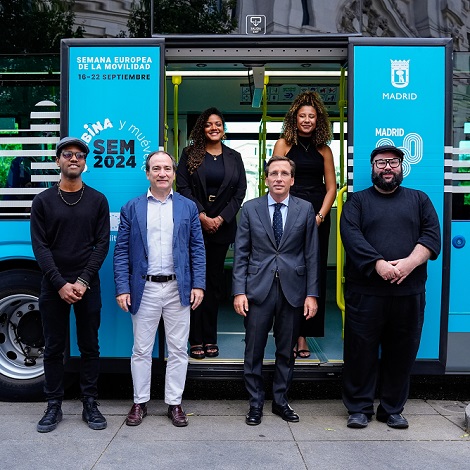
{"type": "Point", "coordinates": [231, 335]}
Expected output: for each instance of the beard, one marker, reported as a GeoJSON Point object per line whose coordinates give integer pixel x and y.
{"type": "Point", "coordinates": [377, 180]}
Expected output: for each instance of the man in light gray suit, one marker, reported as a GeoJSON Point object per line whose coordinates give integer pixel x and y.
{"type": "Point", "coordinates": [275, 280]}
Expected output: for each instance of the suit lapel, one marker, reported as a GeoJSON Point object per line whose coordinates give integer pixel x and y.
{"type": "Point", "coordinates": [293, 212]}
{"type": "Point", "coordinates": [141, 212]}
{"type": "Point", "coordinates": [201, 174]}
{"type": "Point", "coordinates": [229, 165]}
{"type": "Point", "coordinates": [263, 214]}
{"type": "Point", "coordinates": [176, 216]}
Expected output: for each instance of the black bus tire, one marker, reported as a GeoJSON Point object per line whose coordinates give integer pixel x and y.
{"type": "Point", "coordinates": [21, 336]}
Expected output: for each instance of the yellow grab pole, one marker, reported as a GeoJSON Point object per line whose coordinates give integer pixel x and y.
{"type": "Point", "coordinates": [176, 80]}
{"type": "Point", "coordinates": [340, 256]}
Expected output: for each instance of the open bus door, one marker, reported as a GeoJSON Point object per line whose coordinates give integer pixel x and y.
{"type": "Point", "coordinates": [253, 84]}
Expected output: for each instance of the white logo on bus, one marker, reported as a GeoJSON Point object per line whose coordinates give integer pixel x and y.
{"type": "Point", "coordinates": [400, 73]}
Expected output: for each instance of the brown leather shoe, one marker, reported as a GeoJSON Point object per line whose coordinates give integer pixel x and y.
{"type": "Point", "coordinates": [177, 415]}
{"type": "Point", "coordinates": [137, 414]}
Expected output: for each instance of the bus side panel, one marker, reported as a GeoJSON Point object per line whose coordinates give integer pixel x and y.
{"type": "Point", "coordinates": [459, 311]}
{"type": "Point", "coordinates": [112, 98]}
{"type": "Point", "coordinates": [16, 243]}
{"type": "Point", "coordinates": [397, 101]}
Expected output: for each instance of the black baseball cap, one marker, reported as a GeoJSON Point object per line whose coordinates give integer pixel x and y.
{"type": "Point", "coordinates": [387, 148]}
{"type": "Point", "coordinates": [66, 141]}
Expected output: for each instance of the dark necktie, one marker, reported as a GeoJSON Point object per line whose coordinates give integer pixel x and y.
{"type": "Point", "coordinates": [277, 222]}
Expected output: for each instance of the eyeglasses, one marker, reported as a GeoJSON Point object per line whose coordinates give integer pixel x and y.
{"type": "Point", "coordinates": [279, 174]}
{"type": "Point", "coordinates": [393, 162]}
{"type": "Point", "coordinates": [79, 155]}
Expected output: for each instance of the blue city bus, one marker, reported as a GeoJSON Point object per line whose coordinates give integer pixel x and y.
{"type": "Point", "coordinates": [126, 98]}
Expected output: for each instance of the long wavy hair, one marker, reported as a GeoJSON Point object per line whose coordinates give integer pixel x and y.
{"type": "Point", "coordinates": [196, 150]}
{"type": "Point", "coordinates": [322, 135]}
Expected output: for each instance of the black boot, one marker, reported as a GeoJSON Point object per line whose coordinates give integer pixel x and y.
{"type": "Point", "coordinates": [52, 416]}
{"type": "Point", "coordinates": [92, 415]}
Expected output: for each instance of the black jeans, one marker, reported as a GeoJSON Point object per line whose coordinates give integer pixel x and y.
{"type": "Point", "coordinates": [381, 340]}
{"type": "Point", "coordinates": [55, 314]}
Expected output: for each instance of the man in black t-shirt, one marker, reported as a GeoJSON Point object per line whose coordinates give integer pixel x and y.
{"type": "Point", "coordinates": [389, 233]}
{"type": "Point", "coordinates": [70, 237]}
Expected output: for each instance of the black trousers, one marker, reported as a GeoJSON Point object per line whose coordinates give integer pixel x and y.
{"type": "Point", "coordinates": [258, 322]}
{"type": "Point", "coordinates": [55, 314]}
{"type": "Point", "coordinates": [203, 326]}
{"type": "Point", "coordinates": [387, 326]}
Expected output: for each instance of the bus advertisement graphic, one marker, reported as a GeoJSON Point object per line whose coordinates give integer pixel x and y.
{"type": "Point", "coordinates": [112, 99]}
{"type": "Point", "coordinates": [399, 99]}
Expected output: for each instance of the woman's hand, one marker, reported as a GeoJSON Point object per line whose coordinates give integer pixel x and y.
{"type": "Point", "coordinates": [209, 224]}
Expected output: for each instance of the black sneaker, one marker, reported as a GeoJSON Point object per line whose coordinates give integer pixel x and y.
{"type": "Point", "coordinates": [52, 416]}
{"type": "Point", "coordinates": [91, 414]}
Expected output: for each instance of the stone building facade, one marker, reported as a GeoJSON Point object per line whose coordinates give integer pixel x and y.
{"type": "Point", "coordinates": [396, 18]}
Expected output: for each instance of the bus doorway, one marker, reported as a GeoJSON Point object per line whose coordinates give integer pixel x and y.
{"type": "Point", "coordinates": [254, 89]}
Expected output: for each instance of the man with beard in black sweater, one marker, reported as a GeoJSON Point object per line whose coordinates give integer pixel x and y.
{"type": "Point", "coordinates": [389, 233]}
{"type": "Point", "coordinates": [70, 238]}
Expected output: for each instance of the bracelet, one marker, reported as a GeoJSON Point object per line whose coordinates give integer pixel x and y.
{"type": "Point", "coordinates": [321, 216]}
{"type": "Point", "coordinates": [83, 282]}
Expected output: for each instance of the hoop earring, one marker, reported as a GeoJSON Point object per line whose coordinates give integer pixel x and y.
{"type": "Point", "coordinates": [224, 136]}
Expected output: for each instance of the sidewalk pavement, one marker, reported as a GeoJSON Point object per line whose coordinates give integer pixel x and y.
{"type": "Point", "coordinates": [218, 438]}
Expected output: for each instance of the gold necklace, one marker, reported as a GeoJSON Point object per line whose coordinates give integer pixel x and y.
{"type": "Point", "coordinates": [215, 157]}
{"type": "Point", "coordinates": [70, 203]}
{"type": "Point", "coordinates": [307, 147]}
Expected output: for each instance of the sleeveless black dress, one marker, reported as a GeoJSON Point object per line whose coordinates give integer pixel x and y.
{"type": "Point", "coordinates": [309, 185]}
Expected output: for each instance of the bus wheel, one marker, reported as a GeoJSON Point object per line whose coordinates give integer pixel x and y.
{"type": "Point", "coordinates": [21, 336]}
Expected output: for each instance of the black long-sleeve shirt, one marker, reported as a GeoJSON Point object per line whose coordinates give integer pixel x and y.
{"type": "Point", "coordinates": [378, 226]}
{"type": "Point", "coordinates": [70, 241]}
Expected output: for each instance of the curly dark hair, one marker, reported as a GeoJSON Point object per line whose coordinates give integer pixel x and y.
{"type": "Point", "coordinates": [322, 135]}
{"type": "Point", "coordinates": [196, 149]}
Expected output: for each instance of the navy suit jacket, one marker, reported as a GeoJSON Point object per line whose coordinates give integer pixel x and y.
{"type": "Point", "coordinates": [256, 255]}
{"type": "Point", "coordinates": [131, 251]}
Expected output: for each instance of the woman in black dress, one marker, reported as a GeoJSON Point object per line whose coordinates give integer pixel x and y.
{"type": "Point", "coordinates": [305, 136]}
{"type": "Point", "coordinates": [213, 176]}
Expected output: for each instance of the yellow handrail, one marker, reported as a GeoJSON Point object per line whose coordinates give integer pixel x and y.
{"type": "Point", "coordinates": [176, 80]}
{"type": "Point", "coordinates": [340, 256]}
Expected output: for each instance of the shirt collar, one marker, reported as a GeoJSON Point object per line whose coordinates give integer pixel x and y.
{"type": "Point", "coordinates": [151, 196]}
{"type": "Point", "coordinates": [271, 201]}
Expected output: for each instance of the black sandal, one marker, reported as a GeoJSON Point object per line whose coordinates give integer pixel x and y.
{"type": "Point", "coordinates": [303, 353]}
{"type": "Point", "coordinates": [197, 352]}
{"type": "Point", "coordinates": [214, 348]}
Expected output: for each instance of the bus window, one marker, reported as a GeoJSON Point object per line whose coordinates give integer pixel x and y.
{"type": "Point", "coordinates": [461, 139]}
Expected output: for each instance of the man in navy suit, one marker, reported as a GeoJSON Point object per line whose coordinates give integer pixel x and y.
{"type": "Point", "coordinates": [275, 280]}
{"type": "Point", "coordinates": [159, 271]}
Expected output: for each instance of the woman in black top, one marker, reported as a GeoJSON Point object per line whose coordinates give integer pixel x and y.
{"type": "Point", "coordinates": [304, 139]}
{"type": "Point", "coordinates": [213, 176]}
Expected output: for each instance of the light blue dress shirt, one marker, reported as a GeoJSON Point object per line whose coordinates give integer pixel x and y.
{"type": "Point", "coordinates": [160, 235]}
{"type": "Point", "coordinates": [284, 209]}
